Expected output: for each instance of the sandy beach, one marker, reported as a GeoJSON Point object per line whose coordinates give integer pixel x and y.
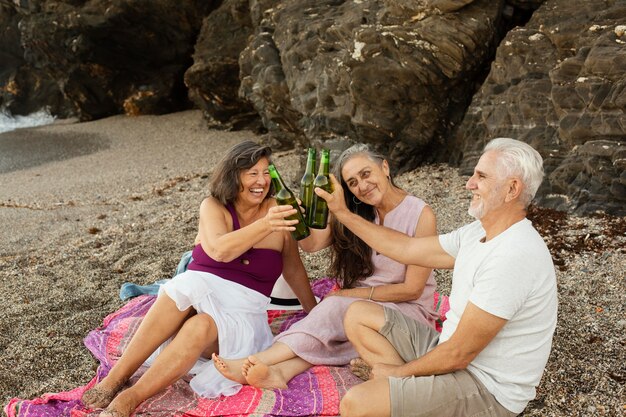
{"type": "Point", "coordinates": [86, 207]}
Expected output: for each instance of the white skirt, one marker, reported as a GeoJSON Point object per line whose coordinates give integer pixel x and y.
{"type": "Point", "coordinates": [241, 319]}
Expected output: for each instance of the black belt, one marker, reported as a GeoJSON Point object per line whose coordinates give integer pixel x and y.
{"type": "Point", "coordinates": [285, 301]}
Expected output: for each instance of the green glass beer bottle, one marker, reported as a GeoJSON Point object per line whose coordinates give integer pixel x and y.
{"type": "Point", "coordinates": [284, 196]}
{"type": "Point", "coordinates": [319, 208]}
{"type": "Point", "coordinates": [306, 184]}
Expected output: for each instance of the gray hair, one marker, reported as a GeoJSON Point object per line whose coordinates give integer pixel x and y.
{"type": "Point", "coordinates": [351, 152]}
{"type": "Point", "coordinates": [521, 160]}
{"type": "Point", "coordinates": [351, 258]}
{"type": "Point", "coordinates": [225, 183]}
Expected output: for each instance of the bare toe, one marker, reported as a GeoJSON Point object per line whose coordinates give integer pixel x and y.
{"type": "Point", "coordinates": [230, 368]}
{"type": "Point", "coordinates": [360, 368]}
{"type": "Point", "coordinates": [112, 413]}
{"type": "Point", "coordinates": [98, 396]}
{"type": "Point", "coordinates": [122, 406]}
{"type": "Point", "coordinates": [245, 368]}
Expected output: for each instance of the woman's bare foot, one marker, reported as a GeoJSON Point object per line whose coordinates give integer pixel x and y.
{"type": "Point", "coordinates": [122, 406]}
{"type": "Point", "coordinates": [101, 395]}
{"type": "Point", "coordinates": [360, 368]}
{"type": "Point", "coordinates": [230, 368]}
{"type": "Point", "coordinates": [260, 375]}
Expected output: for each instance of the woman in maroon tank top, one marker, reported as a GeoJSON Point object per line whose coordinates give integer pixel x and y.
{"type": "Point", "coordinates": [242, 246]}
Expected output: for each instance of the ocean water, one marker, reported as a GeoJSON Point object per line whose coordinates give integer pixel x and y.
{"type": "Point", "coordinates": [8, 122]}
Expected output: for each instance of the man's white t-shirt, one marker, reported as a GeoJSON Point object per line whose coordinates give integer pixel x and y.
{"type": "Point", "coordinates": [510, 276]}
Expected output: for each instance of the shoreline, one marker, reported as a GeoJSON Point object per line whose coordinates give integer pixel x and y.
{"type": "Point", "coordinates": [76, 226]}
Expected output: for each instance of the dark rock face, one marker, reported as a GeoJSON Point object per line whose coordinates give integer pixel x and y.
{"type": "Point", "coordinates": [390, 73]}
{"type": "Point", "coordinates": [213, 79]}
{"type": "Point", "coordinates": [23, 88]}
{"type": "Point", "coordinates": [559, 83]}
{"type": "Point", "coordinates": [591, 178]}
{"type": "Point", "coordinates": [398, 74]}
{"type": "Point", "coordinates": [111, 57]}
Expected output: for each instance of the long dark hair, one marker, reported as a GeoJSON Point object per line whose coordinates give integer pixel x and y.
{"type": "Point", "coordinates": [351, 258]}
{"type": "Point", "coordinates": [225, 183]}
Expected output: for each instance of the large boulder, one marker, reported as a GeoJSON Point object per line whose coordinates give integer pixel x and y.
{"type": "Point", "coordinates": [111, 57]}
{"type": "Point", "coordinates": [559, 83]}
{"type": "Point", "coordinates": [213, 79]}
{"type": "Point", "coordinates": [24, 88]}
{"type": "Point", "coordinates": [591, 178]}
{"type": "Point", "coordinates": [396, 74]}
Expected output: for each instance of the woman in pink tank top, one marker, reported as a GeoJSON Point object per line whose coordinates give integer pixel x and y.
{"type": "Point", "coordinates": [242, 246]}
{"type": "Point", "coordinates": [319, 339]}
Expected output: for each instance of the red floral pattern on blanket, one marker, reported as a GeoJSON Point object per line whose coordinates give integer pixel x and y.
{"type": "Point", "coordinates": [316, 392]}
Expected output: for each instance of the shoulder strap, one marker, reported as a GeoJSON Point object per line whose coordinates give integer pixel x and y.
{"type": "Point", "coordinates": [233, 214]}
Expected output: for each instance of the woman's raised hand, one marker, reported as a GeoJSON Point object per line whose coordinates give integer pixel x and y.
{"type": "Point", "coordinates": [276, 218]}
{"type": "Point", "coordinates": [335, 200]}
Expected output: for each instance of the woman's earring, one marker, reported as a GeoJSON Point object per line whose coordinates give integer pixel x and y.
{"type": "Point", "coordinates": [356, 200]}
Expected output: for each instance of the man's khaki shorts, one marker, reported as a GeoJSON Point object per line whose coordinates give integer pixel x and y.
{"type": "Point", "coordinates": [455, 394]}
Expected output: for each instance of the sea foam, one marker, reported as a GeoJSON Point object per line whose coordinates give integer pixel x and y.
{"type": "Point", "coordinates": [39, 118]}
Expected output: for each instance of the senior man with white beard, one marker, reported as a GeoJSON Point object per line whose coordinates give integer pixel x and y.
{"type": "Point", "coordinates": [496, 340]}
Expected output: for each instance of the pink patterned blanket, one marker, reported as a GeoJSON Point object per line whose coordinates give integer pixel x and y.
{"type": "Point", "coordinates": [316, 392]}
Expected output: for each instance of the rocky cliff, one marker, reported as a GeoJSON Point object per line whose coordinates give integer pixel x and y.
{"type": "Point", "coordinates": [421, 80]}
{"type": "Point", "coordinates": [559, 83]}
{"type": "Point", "coordinates": [103, 57]}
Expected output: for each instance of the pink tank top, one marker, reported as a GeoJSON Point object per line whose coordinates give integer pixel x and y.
{"type": "Point", "coordinates": [404, 219]}
{"type": "Point", "coordinates": [257, 269]}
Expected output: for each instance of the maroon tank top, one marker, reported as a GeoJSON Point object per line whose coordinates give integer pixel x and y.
{"type": "Point", "coordinates": [257, 269]}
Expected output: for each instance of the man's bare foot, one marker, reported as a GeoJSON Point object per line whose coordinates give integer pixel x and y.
{"type": "Point", "coordinates": [260, 375]}
{"type": "Point", "coordinates": [360, 368]}
{"type": "Point", "coordinates": [101, 395]}
{"type": "Point", "coordinates": [230, 368]}
{"type": "Point", "coordinates": [122, 406]}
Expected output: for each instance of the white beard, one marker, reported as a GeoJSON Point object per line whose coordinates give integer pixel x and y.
{"type": "Point", "coordinates": [478, 211]}
{"type": "Point", "coordinates": [484, 205]}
